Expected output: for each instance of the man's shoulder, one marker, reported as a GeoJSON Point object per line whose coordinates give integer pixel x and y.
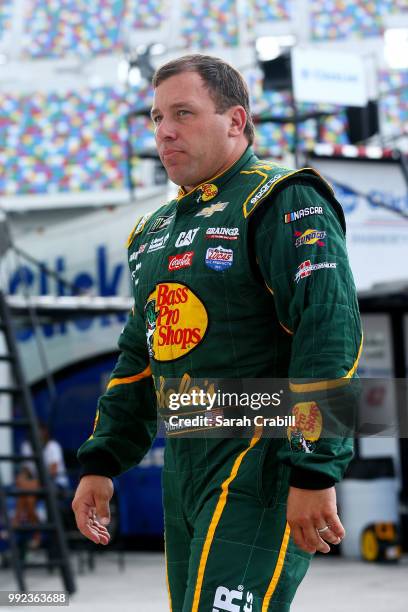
{"type": "Point", "coordinates": [266, 179]}
{"type": "Point", "coordinates": [152, 221]}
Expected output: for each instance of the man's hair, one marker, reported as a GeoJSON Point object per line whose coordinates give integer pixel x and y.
{"type": "Point", "coordinates": [225, 84]}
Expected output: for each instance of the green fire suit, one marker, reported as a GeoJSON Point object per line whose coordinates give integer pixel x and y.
{"type": "Point", "coordinates": [246, 276]}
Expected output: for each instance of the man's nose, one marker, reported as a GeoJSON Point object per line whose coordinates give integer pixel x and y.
{"type": "Point", "coordinates": [165, 130]}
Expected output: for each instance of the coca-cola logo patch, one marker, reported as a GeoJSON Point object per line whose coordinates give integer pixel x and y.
{"type": "Point", "coordinates": [219, 258]}
{"type": "Point", "coordinates": [176, 321]}
{"type": "Point", "coordinates": [181, 260]}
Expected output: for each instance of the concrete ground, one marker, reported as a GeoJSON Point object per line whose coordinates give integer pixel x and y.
{"type": "Point", "coordinates": [332, 585]}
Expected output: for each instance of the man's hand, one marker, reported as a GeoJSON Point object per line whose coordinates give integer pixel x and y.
{"type": "Point", "coordinates": [308, 511]}
{"type": "Point", "coordinates": [91, 507]}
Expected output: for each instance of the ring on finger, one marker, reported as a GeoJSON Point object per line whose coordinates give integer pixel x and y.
{"type": "Point", "coordinates": [323, 529]}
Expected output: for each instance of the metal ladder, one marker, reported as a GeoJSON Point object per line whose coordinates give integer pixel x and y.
{"type": "Point", "coordinates": [53, 526]}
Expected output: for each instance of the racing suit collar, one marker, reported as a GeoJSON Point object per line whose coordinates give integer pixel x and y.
{"type": "Point", "coordinates": [219, 180]}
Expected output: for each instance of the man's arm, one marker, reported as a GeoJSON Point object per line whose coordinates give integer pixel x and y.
{"type": "Point", "coordinates": [304, 263]}
{"type": "Point", "coordinates": [125, 426]}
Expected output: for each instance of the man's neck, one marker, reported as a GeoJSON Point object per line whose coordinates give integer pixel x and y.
{"type": "Point", "coordinates": [233, 158]}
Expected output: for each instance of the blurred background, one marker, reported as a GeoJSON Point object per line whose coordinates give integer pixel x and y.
{"type": "Point", "coordinates": [329, 88]}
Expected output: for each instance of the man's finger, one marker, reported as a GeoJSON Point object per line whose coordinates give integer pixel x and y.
{"type": "Point", "coordinates": [89, 527]}
{"type": "Point", "coordinates": [85, 525]}
{"type": "Point", "coordinates": [102, 511]}
{"type": "Point", "coordinates": [335, 525]}
{"type": "Point", "coordinates": [298, 538]}
{"type": "Point", "coordinates": [95, 532]}
{"type": "Point", "coordinates": [313, 539]}
{"type": "Point", "coordinates": [327, 534]}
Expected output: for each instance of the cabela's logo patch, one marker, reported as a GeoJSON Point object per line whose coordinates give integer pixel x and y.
{"type": "Point", "coordinates": [176, 321]}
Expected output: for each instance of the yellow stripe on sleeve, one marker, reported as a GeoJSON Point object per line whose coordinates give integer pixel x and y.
{"type": "Point", "coordinates": [324, 385]}
{"type": "Point", "coordinates": [129, 379]}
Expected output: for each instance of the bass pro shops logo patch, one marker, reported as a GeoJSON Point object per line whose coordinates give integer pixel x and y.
{"type": "Point", "coordinates": [308, 427]}
{"type": "Point", "coordinates": [208, 192]}
{"type": "Point", "coordinates": [176, 321]}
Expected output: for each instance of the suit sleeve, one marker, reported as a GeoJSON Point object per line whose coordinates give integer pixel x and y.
{"type": "Point", "coordinates": [126, 419]}
{"type": "Point", "coordinates": [303, 261]}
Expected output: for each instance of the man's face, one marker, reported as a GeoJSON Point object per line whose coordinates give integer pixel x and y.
{"type": "Point", "coordinates": [193, 141]}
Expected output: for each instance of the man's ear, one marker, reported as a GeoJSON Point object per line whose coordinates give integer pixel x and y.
{"type": "Point", "coordinates": [238, 120]}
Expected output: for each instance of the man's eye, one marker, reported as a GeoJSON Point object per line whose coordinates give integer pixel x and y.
{"type": "Point", "coordinates": [183, 112]}
{"type": "Point", "coordinates": [156, 119]}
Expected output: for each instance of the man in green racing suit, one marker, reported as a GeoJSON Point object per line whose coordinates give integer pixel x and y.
{"type": "Point", "coordinates": [243, 275]}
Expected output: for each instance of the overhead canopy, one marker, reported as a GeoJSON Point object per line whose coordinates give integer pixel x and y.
{"type": "Point", "coordinates": [54, 308]}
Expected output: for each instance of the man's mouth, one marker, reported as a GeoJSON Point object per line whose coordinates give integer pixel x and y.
{"type": "Point", "coordinates": [169, 153]}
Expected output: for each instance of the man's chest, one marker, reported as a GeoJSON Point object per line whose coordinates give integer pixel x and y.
{"type": "Point", "coordinates": [205, 249]}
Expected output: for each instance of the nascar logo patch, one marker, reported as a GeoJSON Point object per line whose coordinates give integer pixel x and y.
{"type": "Point", "coordinates": [303, 212]}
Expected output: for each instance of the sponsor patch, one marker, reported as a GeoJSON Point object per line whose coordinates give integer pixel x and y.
{"type": "Point", "coordinates": [138, 228]}
{"type": "Point", "coordinates": [302, 212]}
{"type": "Point", "coordinates": [219, 258]}
{"type": "Point", "coordinates": [208, 211]}
{"type": "Point", "coordinates": [306, 268]}
{"type": "Point", "coordinates": [259, 194]}
{"type": "Point", "coordinates": [186, 238]}
{"type": "Point", "coordinates": [310, 236]}
{"type": "Point", "coordinates": [226, 233]}
{"type": "Point", "coordinates": [181, 260]}
{"type": "Point", "coordinates": [142, 223]}
{"type": "Point", "coordinates": [233, 600]}
{"type": "Point", "coordinates": [307, 429]}
{"type": "Point", "coordinates": [263, 166]}
{"type": "Point", "coordinates": [208, 191]}
{"type": "Point", "coordinates": [158, 243]}
{"type": "Point", "coordinates": [136, 254]}
{"type": "Point", "coordinates": [134, 273]}
{"type": "Point", "coordinates": [176, 321]}
{"type": "Point", "coordinates": [160, 223]}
